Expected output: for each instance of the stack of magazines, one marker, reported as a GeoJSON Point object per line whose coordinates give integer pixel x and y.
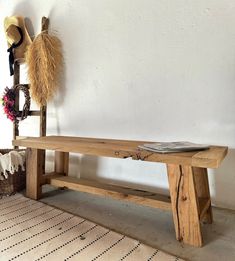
{"type": "Point", "coordinates": [170, 147]}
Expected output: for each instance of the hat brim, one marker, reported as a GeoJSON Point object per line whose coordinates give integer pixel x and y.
{"type": "Point", "coordinates": [19, 52]}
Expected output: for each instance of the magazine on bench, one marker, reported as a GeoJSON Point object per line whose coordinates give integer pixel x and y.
{"type": "Point", "coordinates": [170, 147]}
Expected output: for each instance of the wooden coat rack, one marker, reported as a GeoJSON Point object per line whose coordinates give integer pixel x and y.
{"type": "Point", "coordinates": [16, 80]}
{"type": "Point", "coordinates": [42, 112]}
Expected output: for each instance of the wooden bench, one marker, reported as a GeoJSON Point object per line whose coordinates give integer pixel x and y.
{"type": "Point", "coordinates": [187, 175]}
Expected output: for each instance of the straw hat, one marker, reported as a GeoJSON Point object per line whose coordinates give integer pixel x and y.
{"type": "Point", "coordinates": [17, 37]}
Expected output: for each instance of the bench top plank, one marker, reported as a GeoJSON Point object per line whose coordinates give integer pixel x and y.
{"type": "Point", "coordinates": [210, 158]}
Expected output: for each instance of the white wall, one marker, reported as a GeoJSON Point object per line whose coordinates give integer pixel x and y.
{"type": "Point", "coordinates": [139, 69]}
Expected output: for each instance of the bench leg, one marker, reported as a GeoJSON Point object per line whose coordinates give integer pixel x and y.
{"type": "Point", "coordinates": [34, 171]}
{"type": "Point", "coordinates": [202, 189]}
{"type": "Point", "coordinates": [184, 203]}
{"type": "Point", "coordinates": [62, 162]}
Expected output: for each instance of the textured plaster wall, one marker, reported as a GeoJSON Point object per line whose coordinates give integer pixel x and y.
{"type": "Point", "coordinates": [138, 69]}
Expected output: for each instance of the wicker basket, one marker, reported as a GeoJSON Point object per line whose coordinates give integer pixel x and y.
{"type": "Point", "coordinates": [15, 182]}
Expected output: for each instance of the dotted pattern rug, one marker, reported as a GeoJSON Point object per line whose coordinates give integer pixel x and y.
{"type": "Point", "coordinates": [31, 230]}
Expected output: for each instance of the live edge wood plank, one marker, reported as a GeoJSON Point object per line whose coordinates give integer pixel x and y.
{"type": "Point", "coordinates": [120, 193]}
{"type": "Point", "coordinates": [124, 149]}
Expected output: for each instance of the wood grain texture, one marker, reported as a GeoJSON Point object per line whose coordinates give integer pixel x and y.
{"type": "Point", "coordinates": [43, 109]}
{"type": "Point", "coordinates": [46, 177]}
{"type": "Point", "coordinates": [185, 205]}
{"type": "Point", "coordinates": [141, 197]}
{"type": "Point", "coordinates": [42, 129]}
{"type": "Point", "coordinates": [16, 80]}
{"type": "Point", "coordinates": [187, 175]}
{"type": "Point", "coordinates": [16, 75]}
{"type": "Point", "coordinates": [62, 162]}
{"type": "Point", "coordinates": [202, 189]}
{"type": "Point", "coordinates": [210, 158]}
{"type": "Point", "coordinates": [204, 206]}
{"type": "Point", "coordinates": [34, 171]}
{"type": "Point", "coordinates": [43, 112]}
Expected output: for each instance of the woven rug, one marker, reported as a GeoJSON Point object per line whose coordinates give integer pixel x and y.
{"type": "Point", "coordinates": [31, 230]}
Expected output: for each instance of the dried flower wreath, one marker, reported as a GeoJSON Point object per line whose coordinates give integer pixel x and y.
{"type": "Point", "coordinates": [8, 102]}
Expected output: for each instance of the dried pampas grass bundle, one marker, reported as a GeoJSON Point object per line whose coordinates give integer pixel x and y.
{"type": "Point", "coordinates": [45, 61]}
